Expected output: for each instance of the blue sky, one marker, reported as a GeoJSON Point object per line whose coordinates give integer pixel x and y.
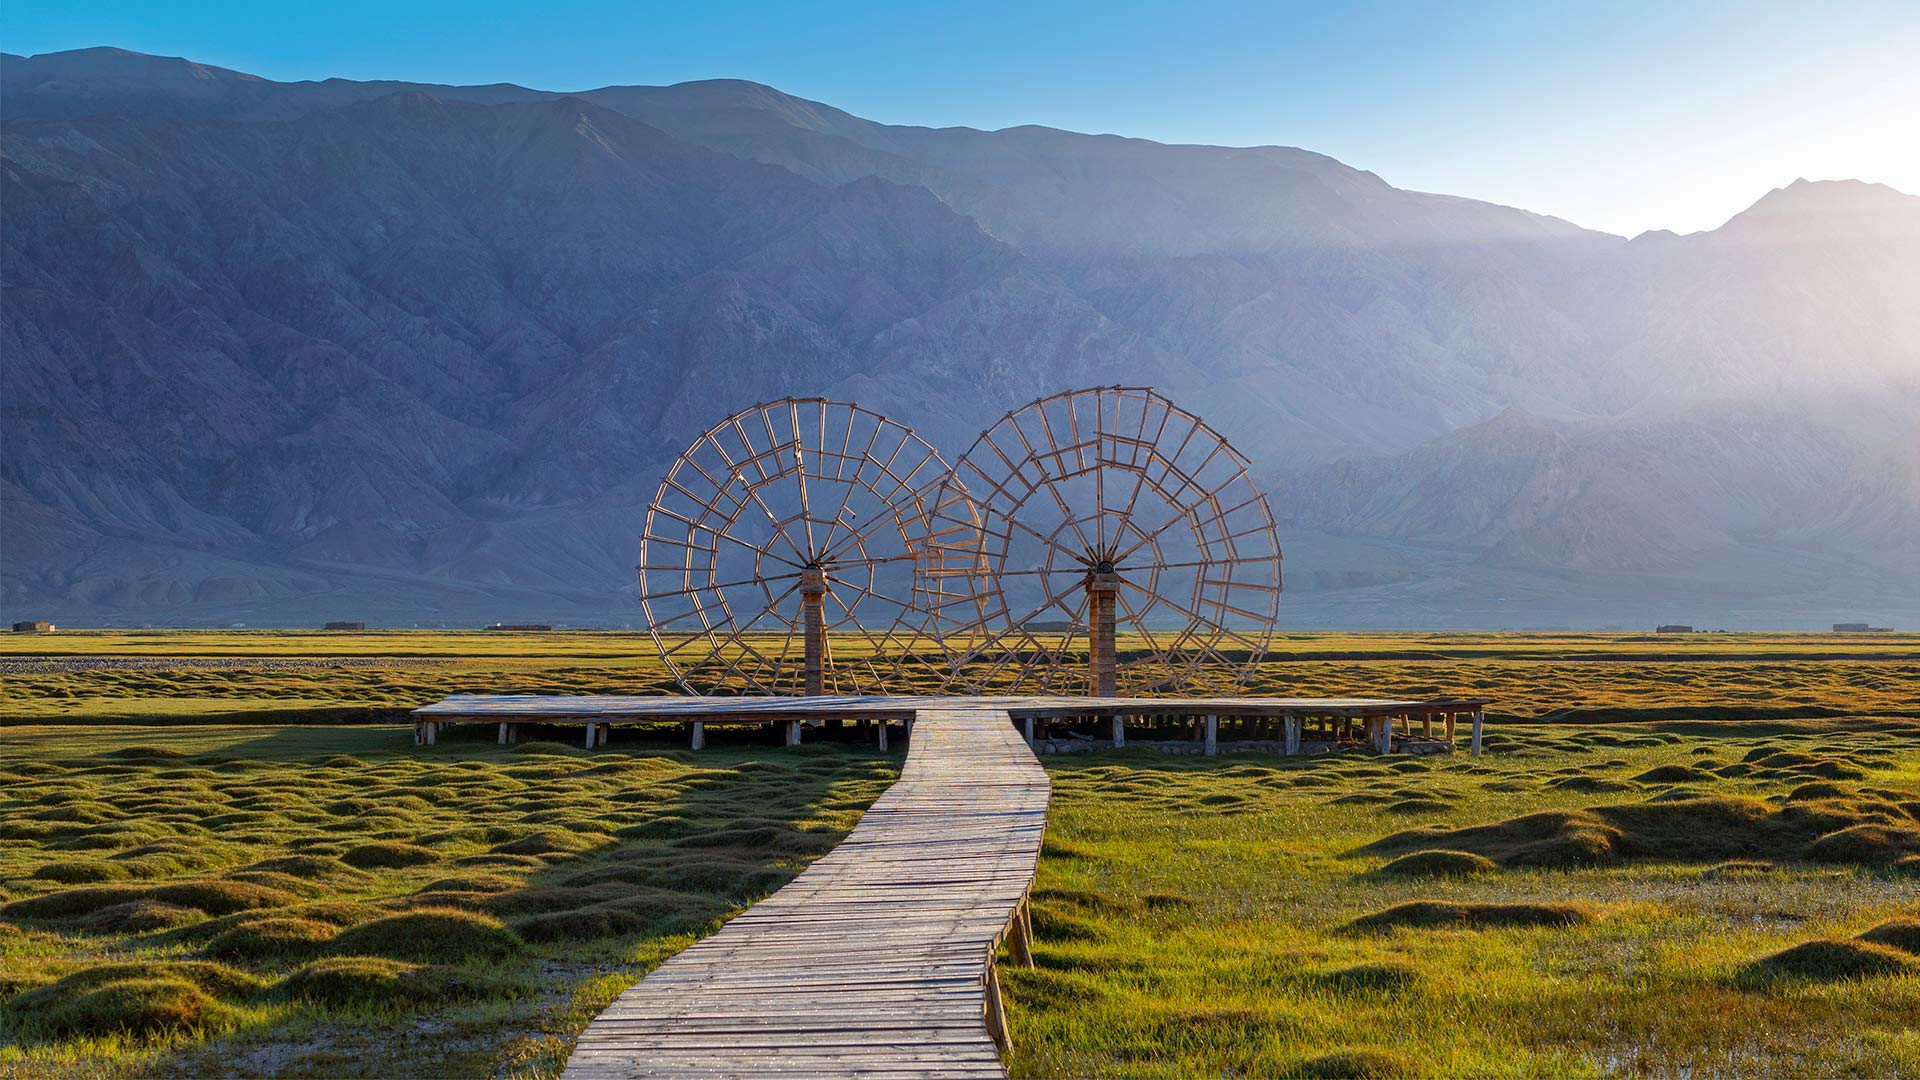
{"type": "Point", "coordinates": [1619, 116]}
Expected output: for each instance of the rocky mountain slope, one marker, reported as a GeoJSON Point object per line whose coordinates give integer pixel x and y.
{"type": "Point", "coordinates": [273, 352]}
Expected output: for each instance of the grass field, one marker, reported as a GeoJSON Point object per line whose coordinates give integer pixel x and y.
{"type": "Point", "coordinates": [1663, 865]}
{"type": "Point", "coordinates": [1624, 913]}
{"type": "Point", "coordinates": [284, 676]}
{"type": "Point", "coordinates": [332, 901]}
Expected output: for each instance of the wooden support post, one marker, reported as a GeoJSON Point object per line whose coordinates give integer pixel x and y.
{"type": "Point", "coordinates": [1449, 717]}
{"type": "Point", "coordinates": [503, 732]}
{"type": "Point", "coordinates": [996, 1012]}
{"type": "Point", "coordinates": [1213, 735]}
{"type": "Point", "coordinates": [1119, 731]}
{"type": "Point", "coordinates": [1291, 725]}
{"type": "Point", "coordinates": [606, 732]}
{"type": "Point", "coordinates": [1102, 587]}
{"type": "Point", "coordinates": [1019, 943]}
{"type": "Point", "coordinates": [1029, 732]}
{"type": "Point", "coordinates": [813, 602]}
{"type": "Point", "coordinates": [1478, 716]}
{"type": "Point", "coordinates": [880, 733]}
{"type": "Point", "coordinates": [699, 735]}
{"type": "Point", "coordinates": [591, 734]}
{"type": "Point", "coordinates": [793, 733]}
{"type": "Point", "coordinates": [1426, 726]}
{"type": "Point", "coordinates": [433, 732]}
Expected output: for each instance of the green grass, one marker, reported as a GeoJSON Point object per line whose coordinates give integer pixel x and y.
{"type": "Point", "coordinates": [1698, 854]}
{"type": "Point", "coordinates": [1582, 678]}
{"type": "Point", "coordinates": [333, 901]}
{"type": "Point", "coordinates": [1243, 915]}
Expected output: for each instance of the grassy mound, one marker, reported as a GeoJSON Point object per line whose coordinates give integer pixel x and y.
{"type": "Point", "coordinates": [1902, 934]}
{"type": "Point", "coordinates": [1866, 845]}
{"type": "Point", "coordinates": [1438, 863]}
{"type": "Point", "coordinates": [136, 999]}
{"type": "Point", "coordinates": [83, 871]}
{"type": "Point", "coordinates": [1831, 960]}
{"type": "Point", "coordinates": [388, 854]}
{"type": "Point", "coordinates": [640, 911]}
{"type": "Point", "coordinates": [324, 868]}
{"type": "Point", "coordinates": [73, 903]}
{"type": "Point", "coordinates": [1674, 774]}
{"type": "Point", "coordinates": [1438, 914]}
{"type": "Point", "coordinates": [430, 934]}
{"type": "Point", "coordinates": [221, 897]}
{"type": "Point", "coordinates": [372, 982]}
{"type": "Point", "coordinates": [140, 917]}
{"type": "Point", "coordinates": [546, 842]}
{"type": "Point", "coordinates": [1862, 831]}
{"type": "Point", "coordinates": [271, 939]}
{"type": "Point", "coordinates": [140, 1008]}
{"type": "Point", "coordinates": [1352, 1065]}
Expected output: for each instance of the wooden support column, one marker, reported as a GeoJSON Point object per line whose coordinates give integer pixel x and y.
{"type": "Point", "coordinates": [592, 735]}
{"type": "Point", "coordinates": [793, 733]}
{"type": "Point", "coordinates": [1019, 937]}
{"type": "Point", "coordinates": [1291, 725]}
{"type": "Point", "coordinates": [996, 1012]}
{"type": "Point", "coordinates": [1119, 731]}
{"type": "Point", "coordinates": [1478, 716]}
{"type": "Point", "coordinates": [813, 600]}
{"type": "Point", "coordinates": [1102, 585]}
{"type": "Point", "coordinates": [880, 734]}
{"type": "Point", "coordinates": [433, 732]}
{"type": "Point", "coordinates": [1449, 722]}
{"type": "Point", "coordinates": [606, 732]}
{"type": "Point", "coordinates": [1213, 735]}
{"type": "Point", "coordinates": [699, 735]}
{"type": "Point", "coordinates": [503, 732]}
{"type": "Point", "coordinates": [1426, 725]}
{"type": "Point", "coordinates": [1029, 732]}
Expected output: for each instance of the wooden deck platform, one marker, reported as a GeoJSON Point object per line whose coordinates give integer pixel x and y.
{"type": "Point", "coordinates": [875, 962]}
{"type": "Point", "coordinates": [1372, 716]}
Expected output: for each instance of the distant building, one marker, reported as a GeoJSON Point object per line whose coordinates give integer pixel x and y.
{"type": "Point", "coordinates": [35, 626]}
{"type": "Point", "coordinates": [345, 626]}
{"type": "Point", "coordinates": [1838, 628]}
{"type": "Point", "coordinates": [521, 626]}
{"type": "Point", "coordinates": [1674, 628]}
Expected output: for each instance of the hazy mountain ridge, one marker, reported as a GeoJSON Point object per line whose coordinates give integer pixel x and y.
{"type": "Point", "coordinates": [274, 350]}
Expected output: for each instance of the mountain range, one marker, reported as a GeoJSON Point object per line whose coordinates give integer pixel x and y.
{"type": "Point", "coordinates": [282, 352]}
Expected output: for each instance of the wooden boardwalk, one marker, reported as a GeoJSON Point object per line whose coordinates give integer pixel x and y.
{"type": "Point", "coordinates": [877, 961]}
